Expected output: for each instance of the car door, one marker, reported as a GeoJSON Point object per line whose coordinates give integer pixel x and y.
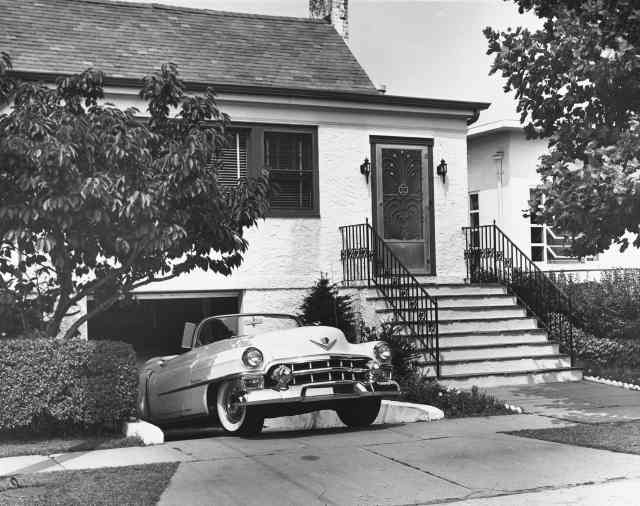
{"type": "Point", "coordinates": [169, 386]}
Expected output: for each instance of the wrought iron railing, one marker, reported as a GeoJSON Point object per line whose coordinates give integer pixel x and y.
{"type": "Point", "coordinates": [492, 257]}
{"type": "Point", "coordinates": [366, 257]}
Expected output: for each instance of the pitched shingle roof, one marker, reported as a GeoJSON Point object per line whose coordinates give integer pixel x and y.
{"type": "Point", "coordinates": [129, 40]}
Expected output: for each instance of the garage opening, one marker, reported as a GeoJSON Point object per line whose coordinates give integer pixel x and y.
{"type": "Point", "coordinates": [153, 323]}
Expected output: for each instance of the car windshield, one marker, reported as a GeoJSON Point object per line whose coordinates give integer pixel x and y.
{"type": "Point", "coordinates": [225, 327]}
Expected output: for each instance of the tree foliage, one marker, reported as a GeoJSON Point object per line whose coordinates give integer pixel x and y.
{"type": "Point", "coordinates": [577, 82]}
{"type": "Point", "coordinates": [95, 200]}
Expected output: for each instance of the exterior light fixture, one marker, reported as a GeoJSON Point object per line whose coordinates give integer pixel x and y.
{"type": "Point", "coordinates": [441, 169]}
{"type": "Point", "coordinates": [365, 168]}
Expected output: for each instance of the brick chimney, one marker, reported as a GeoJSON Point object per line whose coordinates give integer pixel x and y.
{"type": "Point", "coordinates": [335, 12]}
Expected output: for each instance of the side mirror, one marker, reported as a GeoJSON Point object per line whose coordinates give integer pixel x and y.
{"type": "Point", "coordinates": [187, 335]}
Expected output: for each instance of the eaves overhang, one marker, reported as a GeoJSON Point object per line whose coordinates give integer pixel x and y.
{"type": "Point", "coordinates": [471, 108]}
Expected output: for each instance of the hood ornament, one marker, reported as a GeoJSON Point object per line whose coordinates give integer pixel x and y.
{"type": "Point", "coordinates": [325, 343]}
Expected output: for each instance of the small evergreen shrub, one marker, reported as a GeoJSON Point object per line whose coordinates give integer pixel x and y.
{"type": "Point", "coordinates": [53, 386]}
{"type": "Point", "coordinates": [324, 305]}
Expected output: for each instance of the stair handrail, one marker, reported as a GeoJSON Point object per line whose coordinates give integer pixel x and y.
{"type": "Point", "coordinates": [491, 256]}
{"type": "Point", "coordinates": [366, 257]}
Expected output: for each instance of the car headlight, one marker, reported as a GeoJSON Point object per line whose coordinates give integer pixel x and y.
{"type": "Point", "coordinates": [383, 352]}
{"type": "Point", "coordinates": [252, 357]}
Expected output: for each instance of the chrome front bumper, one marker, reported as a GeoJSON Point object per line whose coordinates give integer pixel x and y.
{"type": "Point", "coordinates": [321, 392]}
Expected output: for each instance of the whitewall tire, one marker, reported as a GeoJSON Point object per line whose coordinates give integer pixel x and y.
{"type": "Point", "coordinates": [234, 416]}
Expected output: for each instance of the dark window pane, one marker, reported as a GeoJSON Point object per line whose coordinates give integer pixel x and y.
{"type": "Point", "coordinates": [289, 158]}
{"type": "Point", "coordinates": [473, 202]}
{"type": "Point", "coordinates": [475, 220]}
{"type": "Point", "coordinates": [537, 253]}
{"type": "Point", "coordinates": [536, 235]}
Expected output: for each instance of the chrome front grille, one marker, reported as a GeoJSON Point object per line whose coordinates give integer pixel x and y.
{"type": "Point", "coordinates": [328, 370]}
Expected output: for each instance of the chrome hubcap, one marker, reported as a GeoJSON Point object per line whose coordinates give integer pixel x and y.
{"type": "Point", "coordinates": [234, 405]}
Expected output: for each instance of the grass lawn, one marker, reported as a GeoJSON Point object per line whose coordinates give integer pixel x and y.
{"type": "Point", "coordinates": [10, 447]}
{"type": "Point", "coordinates": [619, 437]}
{"type": "Point", "coordinates": [122, 485]}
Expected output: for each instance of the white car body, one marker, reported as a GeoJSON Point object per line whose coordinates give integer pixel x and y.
{"type": "Point", "coordinates": [325, 368]}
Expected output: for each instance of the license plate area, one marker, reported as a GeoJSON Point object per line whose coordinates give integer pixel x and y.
{"type": "Point", "coordinates": [318, 391]}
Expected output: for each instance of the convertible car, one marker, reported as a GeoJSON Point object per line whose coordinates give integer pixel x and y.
{"type": "Point", "coordinates": [239, 369]}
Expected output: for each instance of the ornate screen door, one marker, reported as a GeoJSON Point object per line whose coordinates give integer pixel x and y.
{"type": "Point", "coordinates": [404, 203]}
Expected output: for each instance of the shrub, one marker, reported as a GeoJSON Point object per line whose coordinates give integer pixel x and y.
{"type": "Point", "coordinates": [326, 306]}
{"type": "Point", "coordinates": [608, 308]}
{"type": "Point", "coordinates": [404, 348]}
{"type": "Point", "coordinates": [603, 352]}
{"type": "Point", "coordinates": [52, 386]}
{"type": "Point", "coordinates": [453, 402]}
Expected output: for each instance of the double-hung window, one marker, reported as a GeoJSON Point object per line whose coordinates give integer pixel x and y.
{"type": "Point", "coordinates": [290, 154]}
{"type": "Point", "coordinates": [474, 219]}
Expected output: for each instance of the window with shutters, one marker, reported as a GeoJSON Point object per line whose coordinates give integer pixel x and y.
{"type": "Point", "coordinates": [289, 153]}
{"type": "Point", "coordinates": [233, 161]}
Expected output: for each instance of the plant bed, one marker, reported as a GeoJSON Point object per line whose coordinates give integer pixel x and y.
{"type": "Point", "coordinates": [618, 437]}
{"type": "Point", "coordinates": [626, 374]}
{"type": "Point", "coordinates": [25, 445]}
{"type": "Point", "coordinates": [453, 402]}
{"type": "Point", "coordinates": [142, 484]}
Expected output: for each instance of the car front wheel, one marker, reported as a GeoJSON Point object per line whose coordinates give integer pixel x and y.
{"type": "Point", "coordinates": [234, 415]}
{"type": "Point", "coordinates": [359, 412]}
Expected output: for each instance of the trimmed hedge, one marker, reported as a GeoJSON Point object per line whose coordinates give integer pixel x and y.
{"type": "Point", "coordinates": [53, 386]}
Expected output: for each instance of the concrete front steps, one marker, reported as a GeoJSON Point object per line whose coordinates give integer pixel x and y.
{"type": "Point", "coordinates": [487, 339]}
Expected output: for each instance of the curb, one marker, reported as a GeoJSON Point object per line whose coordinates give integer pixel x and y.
{"type": "Point", "coordinates": [613, 383]}
{"type": "Point", "coordinates": [148, 433]}
{"type": "Point", "coordinates": [390, 412]}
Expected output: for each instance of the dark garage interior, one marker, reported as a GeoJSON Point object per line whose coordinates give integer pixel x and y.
{"type": "Point", "coordinates": [154, 326]}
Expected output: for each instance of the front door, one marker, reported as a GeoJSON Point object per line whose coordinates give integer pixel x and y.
{"type": "Point", "coordinates": [404, 209]}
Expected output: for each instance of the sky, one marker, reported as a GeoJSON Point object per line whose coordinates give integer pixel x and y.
{"type": "Point", "coordinates": [422, 48]}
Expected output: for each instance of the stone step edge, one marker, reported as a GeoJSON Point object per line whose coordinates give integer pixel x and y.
{"type": "Point", "coordinates": [494, 346]}
{"type": "Point", "coordinates": [508, 373]}
{"type": "Point", "coordinates": [496, 359]}
{"type": "Point", "coordinates": [494, 319]}
{"type": "Point", "coordinates": [460, 296]}
{"type": "Point", "coordinates": [459, 308]}
{"type": "Point", "coordinates": [485, 333]}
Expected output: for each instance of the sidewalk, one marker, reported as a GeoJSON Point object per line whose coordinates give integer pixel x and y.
{"type": "Point", "coordinates": [213, 444]}
{"type": "Point", "coordinates": [581, 401]}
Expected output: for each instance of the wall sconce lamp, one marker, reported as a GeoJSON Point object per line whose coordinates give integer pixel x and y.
{"type": "Point", "coordinates": [365, 169]}
{"type": "Point", "coordinates": [441, 169]}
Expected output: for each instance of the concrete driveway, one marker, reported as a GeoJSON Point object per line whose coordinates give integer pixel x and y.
{"type": "Point", "coordinates": [465, 460]}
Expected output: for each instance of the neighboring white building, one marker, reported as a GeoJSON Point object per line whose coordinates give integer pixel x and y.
{"type": "Point", "coordinates": [300, 104]}
{"type": "Point", "coordinates": [502, 172]}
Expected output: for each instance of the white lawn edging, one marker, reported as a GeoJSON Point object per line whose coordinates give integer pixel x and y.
{"type": "Point", "coordinates": [613, 383]}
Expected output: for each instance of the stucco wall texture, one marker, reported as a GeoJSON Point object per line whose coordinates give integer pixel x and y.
{"type": "Point", "coordinates": [291, 253]}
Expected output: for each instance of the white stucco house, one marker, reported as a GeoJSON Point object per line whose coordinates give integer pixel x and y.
{"type": "Point", "coordinates": [502, 172]}
{"type": "Point", "coordinates": [343, 152]}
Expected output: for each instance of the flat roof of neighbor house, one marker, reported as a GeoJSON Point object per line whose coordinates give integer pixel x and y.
{"type": "Point", "coordinates": [502, 125]}
{"type": "Point", "coordinates": [232, 52]}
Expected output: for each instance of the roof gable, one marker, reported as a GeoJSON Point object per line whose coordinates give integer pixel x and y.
{"type": "Point", "coordinates": [128, 40]}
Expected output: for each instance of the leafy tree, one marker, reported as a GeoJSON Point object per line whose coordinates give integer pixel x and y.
{"type": "Point", "coordinates": [577, 83]}
{"type": "Point", "coordinates": [96, 201]}
{"type": "Point", "coordinates": [325, 305]}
